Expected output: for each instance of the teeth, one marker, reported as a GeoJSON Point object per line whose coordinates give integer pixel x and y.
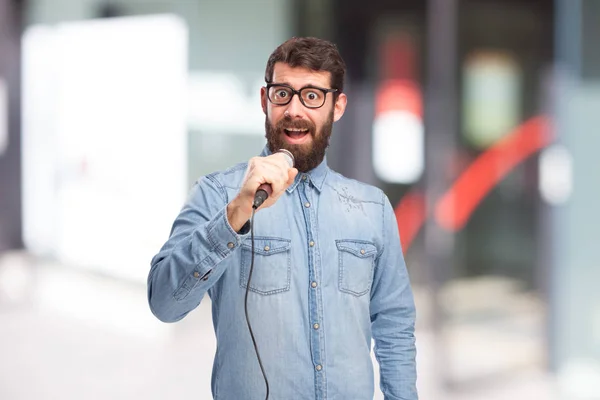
{"type": "Point", "coordinates": [296, 130]}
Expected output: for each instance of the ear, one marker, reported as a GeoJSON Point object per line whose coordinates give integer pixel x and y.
{"type": "Point", "coordinates": [263, 99]}
{"type": "Point", "coordinates": [340, 107]}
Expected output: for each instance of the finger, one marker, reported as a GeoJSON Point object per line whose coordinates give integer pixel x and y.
{"type": "Point", "coordinates": [274, 174]}
{"type": "Point", "coordinates": [279, 159]}
{"type": "Point", "coordinates": [276, 167]}
{"type": "Point", "coordinates": [260, 172]}
{"type": "Point", "coordinates": [264, 175]}
{"type": "Point", "coordinates": [292, 172]}
{"type": "Point", "coordinates": [289, 171]}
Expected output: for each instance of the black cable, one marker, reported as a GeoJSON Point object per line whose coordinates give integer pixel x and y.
{"type": "Point", "coordinates": [246, 302]}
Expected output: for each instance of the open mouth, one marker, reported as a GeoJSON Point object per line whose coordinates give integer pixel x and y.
{"type": "Point", "coordinates": [296, 133]}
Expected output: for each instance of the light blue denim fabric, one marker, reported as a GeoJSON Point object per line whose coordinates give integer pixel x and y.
{"type": "Point", "coordinates": [329, 275]}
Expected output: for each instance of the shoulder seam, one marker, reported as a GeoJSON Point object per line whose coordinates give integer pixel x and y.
{"type": "Point", "coordinates": [212, 178]}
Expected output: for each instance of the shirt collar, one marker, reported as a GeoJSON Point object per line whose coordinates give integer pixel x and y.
{"type": "Point", "coordinates": [316, 175]}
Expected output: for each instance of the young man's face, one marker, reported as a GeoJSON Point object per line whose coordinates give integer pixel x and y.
{"type": "Point", "coordinates": [302, 130]}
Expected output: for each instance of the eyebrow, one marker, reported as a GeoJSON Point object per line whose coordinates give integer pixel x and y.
{"type": "Point", "coordinates": [310, 85]}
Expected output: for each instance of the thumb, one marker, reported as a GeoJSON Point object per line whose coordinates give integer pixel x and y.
{"type": "Point", "coordinates": [292, 172]}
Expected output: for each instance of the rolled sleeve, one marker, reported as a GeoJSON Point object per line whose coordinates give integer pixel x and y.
{"type": "Point", "coordinates": [222, 236]}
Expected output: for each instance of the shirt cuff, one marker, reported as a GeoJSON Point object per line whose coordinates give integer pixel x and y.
{"type": "Point", "coordinates": [222, 236]}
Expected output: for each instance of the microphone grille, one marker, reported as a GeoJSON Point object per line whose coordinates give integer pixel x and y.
{"type": "Point", "coordinates": [289, 157]}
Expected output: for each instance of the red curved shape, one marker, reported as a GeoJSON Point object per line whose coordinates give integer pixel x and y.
{"type": "Point", "coordinates": [410, 214]}
{"type": "Point", "coordinates": [456, 206]}
{"type": "Point", "coordinates": [454, 209]}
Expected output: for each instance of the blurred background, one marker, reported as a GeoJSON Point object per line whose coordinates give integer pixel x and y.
{"type": "Point", "coordinates": [479, 118]}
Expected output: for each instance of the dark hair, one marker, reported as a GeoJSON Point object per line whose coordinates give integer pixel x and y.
{"type": "Point", "coordinates": [312, 53]}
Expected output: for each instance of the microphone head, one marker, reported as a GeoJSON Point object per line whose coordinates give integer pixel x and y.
{"type": "Point", "coordinates": [289, 156]}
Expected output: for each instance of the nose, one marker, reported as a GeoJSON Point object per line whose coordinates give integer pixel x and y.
{"type": "Point", "coordinates": [295, 108]}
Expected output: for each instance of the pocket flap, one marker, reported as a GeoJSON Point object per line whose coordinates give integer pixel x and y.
{"type": "Point", "coordinates": [360, 248]}
{"type": "Point", "coordinates": [267, 245]}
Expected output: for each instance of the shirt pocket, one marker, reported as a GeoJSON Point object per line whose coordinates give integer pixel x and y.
{"type": "Point", "coordinates": [272, 265]}
{"type": "Point", "coordinates": [356, 263]}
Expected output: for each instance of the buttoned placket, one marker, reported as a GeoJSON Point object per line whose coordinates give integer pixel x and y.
{"type": "Point", "coordinates": [314, 290]}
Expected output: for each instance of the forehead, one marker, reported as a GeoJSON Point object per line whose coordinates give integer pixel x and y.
{"type": "Point", "coordinates": [298, 77]}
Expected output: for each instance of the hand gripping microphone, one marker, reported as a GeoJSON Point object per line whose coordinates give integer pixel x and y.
{"type": "Point", "coordinates": [265, 190]}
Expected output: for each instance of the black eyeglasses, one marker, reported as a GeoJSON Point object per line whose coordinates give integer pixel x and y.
{"type": "Point", "coordinates": [311, 96]}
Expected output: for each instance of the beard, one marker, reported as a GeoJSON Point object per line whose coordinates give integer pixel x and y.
{"type": "Point", "coordinates": [307, 156]}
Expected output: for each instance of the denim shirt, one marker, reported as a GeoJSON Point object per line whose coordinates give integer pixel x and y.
{"type": "Point", "coordinates": [329, 276]}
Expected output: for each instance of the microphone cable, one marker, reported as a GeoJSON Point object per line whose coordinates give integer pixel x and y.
{"type": "Point", "coordinates": [246, 302]}
{"type": "Point", "coordinates": [261, 195]}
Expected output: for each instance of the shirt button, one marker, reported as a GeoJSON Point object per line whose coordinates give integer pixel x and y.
{"type": "Point", "coordinates": [316, 326]}
{"type": "Point", "coordinates": [362, 251]}
{"type": "Point", "coordinates": [267, 248]}
{"type": "Point", "coordinates": [311, 244]}
{"type": "Point", "coordinates": [303, 177]}
{"type": "Point", "coordinates": [196, 274]}
{"type": "Point", "coordinates": [307, 204]}
{"type": "Point", "coordinates": [313, 284]}
{"type": "Point", "coordinates": [319, 367]}
{"type": "Point", "coordinates": [230, 245]}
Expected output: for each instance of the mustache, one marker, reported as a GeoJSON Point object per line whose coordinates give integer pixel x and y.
{"type": "Point", "coordinates": [287, 123]}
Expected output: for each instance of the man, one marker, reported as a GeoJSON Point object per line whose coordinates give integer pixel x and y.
{"type": "Point", "coordinates": [327, 273]}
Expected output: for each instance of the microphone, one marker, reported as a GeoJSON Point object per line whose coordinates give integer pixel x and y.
{"type": "Point", "coordinates": [264, 190]}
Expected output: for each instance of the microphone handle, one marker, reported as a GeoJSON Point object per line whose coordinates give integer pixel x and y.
{"type": "Point", "coordinates": [261, 195]}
